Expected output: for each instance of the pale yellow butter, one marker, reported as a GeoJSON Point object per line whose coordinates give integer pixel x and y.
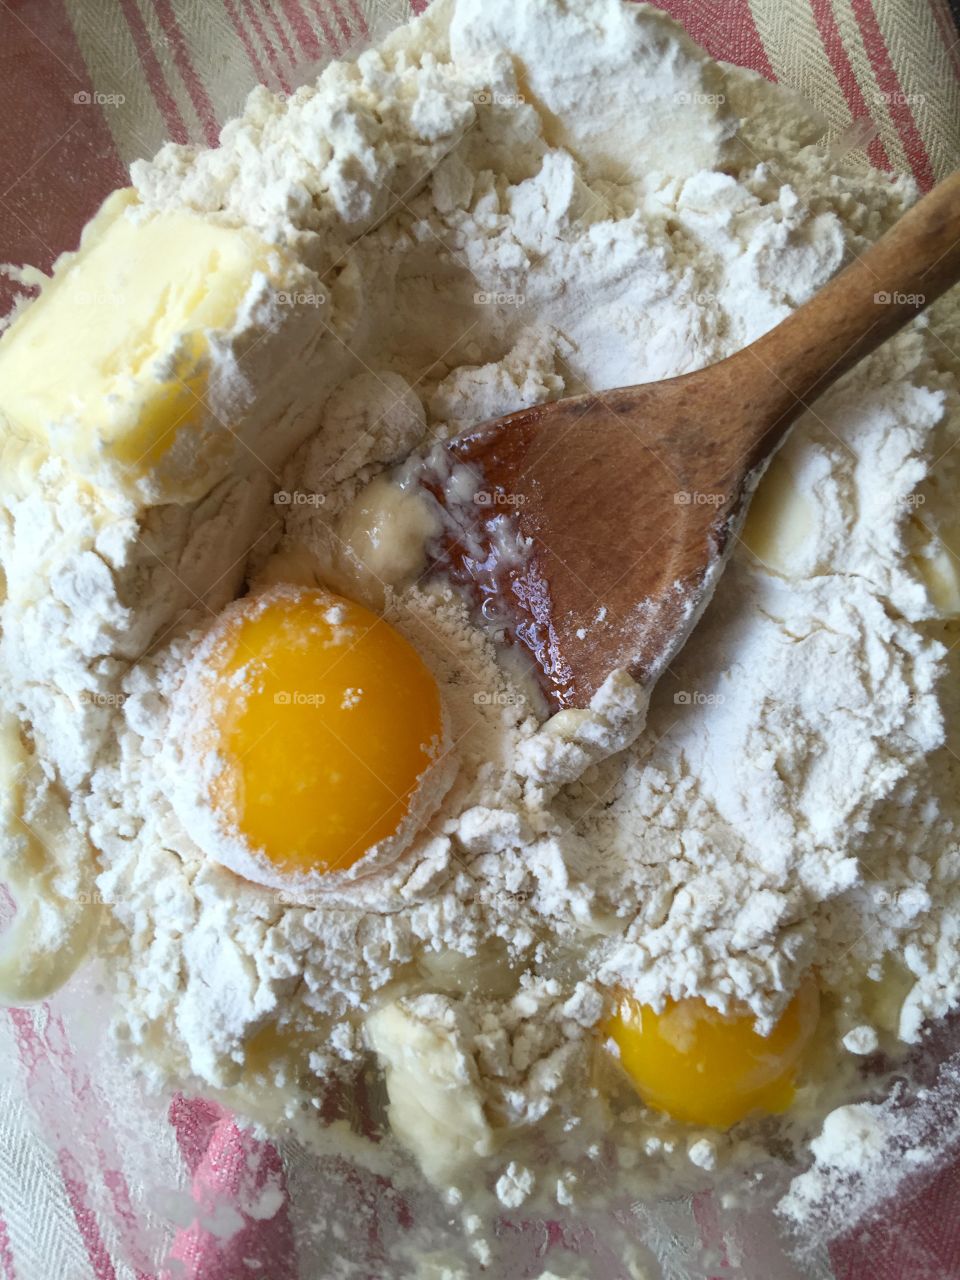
{"type": "Point", "coordinates": [781, 519]}
{"type": "Point", "coordinates": [940, 570]}
{"type": "Point", "coordinates": [110, 366]}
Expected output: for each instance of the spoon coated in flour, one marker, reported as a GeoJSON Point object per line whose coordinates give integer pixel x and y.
{"type": "Point", "coordinates": [595, 528]}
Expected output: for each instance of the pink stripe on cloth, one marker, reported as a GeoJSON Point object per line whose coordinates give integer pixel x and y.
{"type": "Point", "coordinates": [833, 47]}
{"type": "Point", "coordinates": [358, 17]}
{"type": "Point", "coordinates": [705, 1215]}
{"type": "Point", "coordinates": [233, 13]}
{"type": "Point", "coordinates": [195, 86]}
{"type": "Point", "coordinates": [239, 1187]}
{"type": "Point", "coordinates": [153, 71]}
{"type": "Point", "coordinates": [88, 1120]}
{"type": "Point", "coordinates": [915, 1237]}
{"type": "Point", "coordinates": [74, 1183]}
{"type": "Point", "coordinates": [726, 30]}
{"type": "Point", "coordinates": [897, 102]}
{"type": "Point", "coordinates": [342, 21]}
{"type": "Point", "coordinates": [277, 25]}
{"type": "Point", "coordinates": [6, 1252]}
{"type": "Point", "coordinates": [328, 33]}
{"type": "Point", "coordinates": [56, 163]}
{"type": "Point", "coordinates": [194, 1121]}
{"type": "Point", "coordinates": [266, 46]}
{"type": "Point", "coordinates": [300, 25]}
{"type": "Point", "coordinates": [96, 1126]}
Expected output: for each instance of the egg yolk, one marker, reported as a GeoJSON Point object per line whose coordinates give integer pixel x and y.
{"type": "Point", "coordinates": [704, 1067]}
{"type": "Point", "coordinates": [321, 720]}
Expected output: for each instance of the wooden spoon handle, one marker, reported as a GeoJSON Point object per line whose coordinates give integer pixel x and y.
{"type": "Point", "coordinates": [908, 268]}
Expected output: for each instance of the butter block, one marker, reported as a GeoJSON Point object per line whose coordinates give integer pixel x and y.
{"type": "Point", "coordinates": [129, 363]}
{"type": "Point", "coordinates": [939, 567]}
{"type": "Point", "coordinates": [780, 520]}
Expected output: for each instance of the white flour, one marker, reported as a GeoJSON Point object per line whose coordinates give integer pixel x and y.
{"type": "Point", "coordinates": [503, 206]}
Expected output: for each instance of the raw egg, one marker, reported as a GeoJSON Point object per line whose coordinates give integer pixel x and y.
{"type": "Point", "coordinates": [316, 724]}
{"type": "Point", "coordinates": [705, 1067]}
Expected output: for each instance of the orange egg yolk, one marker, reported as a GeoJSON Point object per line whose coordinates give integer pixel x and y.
{"type": "Point", "coordinates": [704, 1067]}
{"type": "Point", "coordinates": [321, 719]}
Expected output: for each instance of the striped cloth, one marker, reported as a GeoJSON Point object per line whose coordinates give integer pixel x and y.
{"type": "Point", "coordinates": [86, 86]}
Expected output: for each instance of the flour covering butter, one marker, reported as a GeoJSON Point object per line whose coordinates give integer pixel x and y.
{"type": "Point", "coordinates": [503, 204]}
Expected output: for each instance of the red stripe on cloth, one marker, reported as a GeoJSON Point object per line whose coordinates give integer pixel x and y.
{"type": "Point", "coordinates": [85, 1218]}
{"type": "Point", "coordinates": [896, 100]}
{"type": "Point", "coordinates": [230, 1167]}
{"type": "Point", "coordinates": [97, 1131]}
{"type": "Point", "coordinates": [300, 24]}
{"type": "Point", "coordinates": [266, 46]}
{"type": "Point", "coordinates": [58, 159]}
{"type": "Point", "coordinates": [277, 25]}
{"type": "Point", "coordinates": [328, 35]}
{"type": "Point", "coordinates": [359, 18]}
{"type": "Point", "coordinates": [836, 53]}
{"type": "Point", "coordinates": [49, 1062]}
{"type": "Point", "coordinates": [193, 1121]}
{"type": "Point", "coordinates": [153, 71]}
{"type": "Point", "coordinates": [233, 13]}
{"type": "Point", "coordinates": [706, 1215]}
{"type": "Point", "coordinates": [725, 30]}
{"type": "Point", "coordinates": [6, 1253]}
{"type": "Point", "coordinates": [341, 21]}
{"type": "Point", "coordinates": [195, 87]}
{"type": "Point", "coordinates": [914, 1236]}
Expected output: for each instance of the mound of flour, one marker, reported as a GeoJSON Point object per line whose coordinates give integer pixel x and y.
{"type": "Point", "coordinates": [504, 204]}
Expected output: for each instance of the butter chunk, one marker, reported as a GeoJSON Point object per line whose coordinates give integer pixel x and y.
{"type": "Point", "coordinates": [436, 1106]}
{"type": "Point", "coordinates": [780, 521]}
{"type": "Point", "coordinates": [129, 363]}
{"type": "Point", "coordinates": [939, 567]}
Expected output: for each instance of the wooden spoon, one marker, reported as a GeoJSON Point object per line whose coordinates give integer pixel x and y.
{"type": "Point", "coordinates": [595, 528]}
